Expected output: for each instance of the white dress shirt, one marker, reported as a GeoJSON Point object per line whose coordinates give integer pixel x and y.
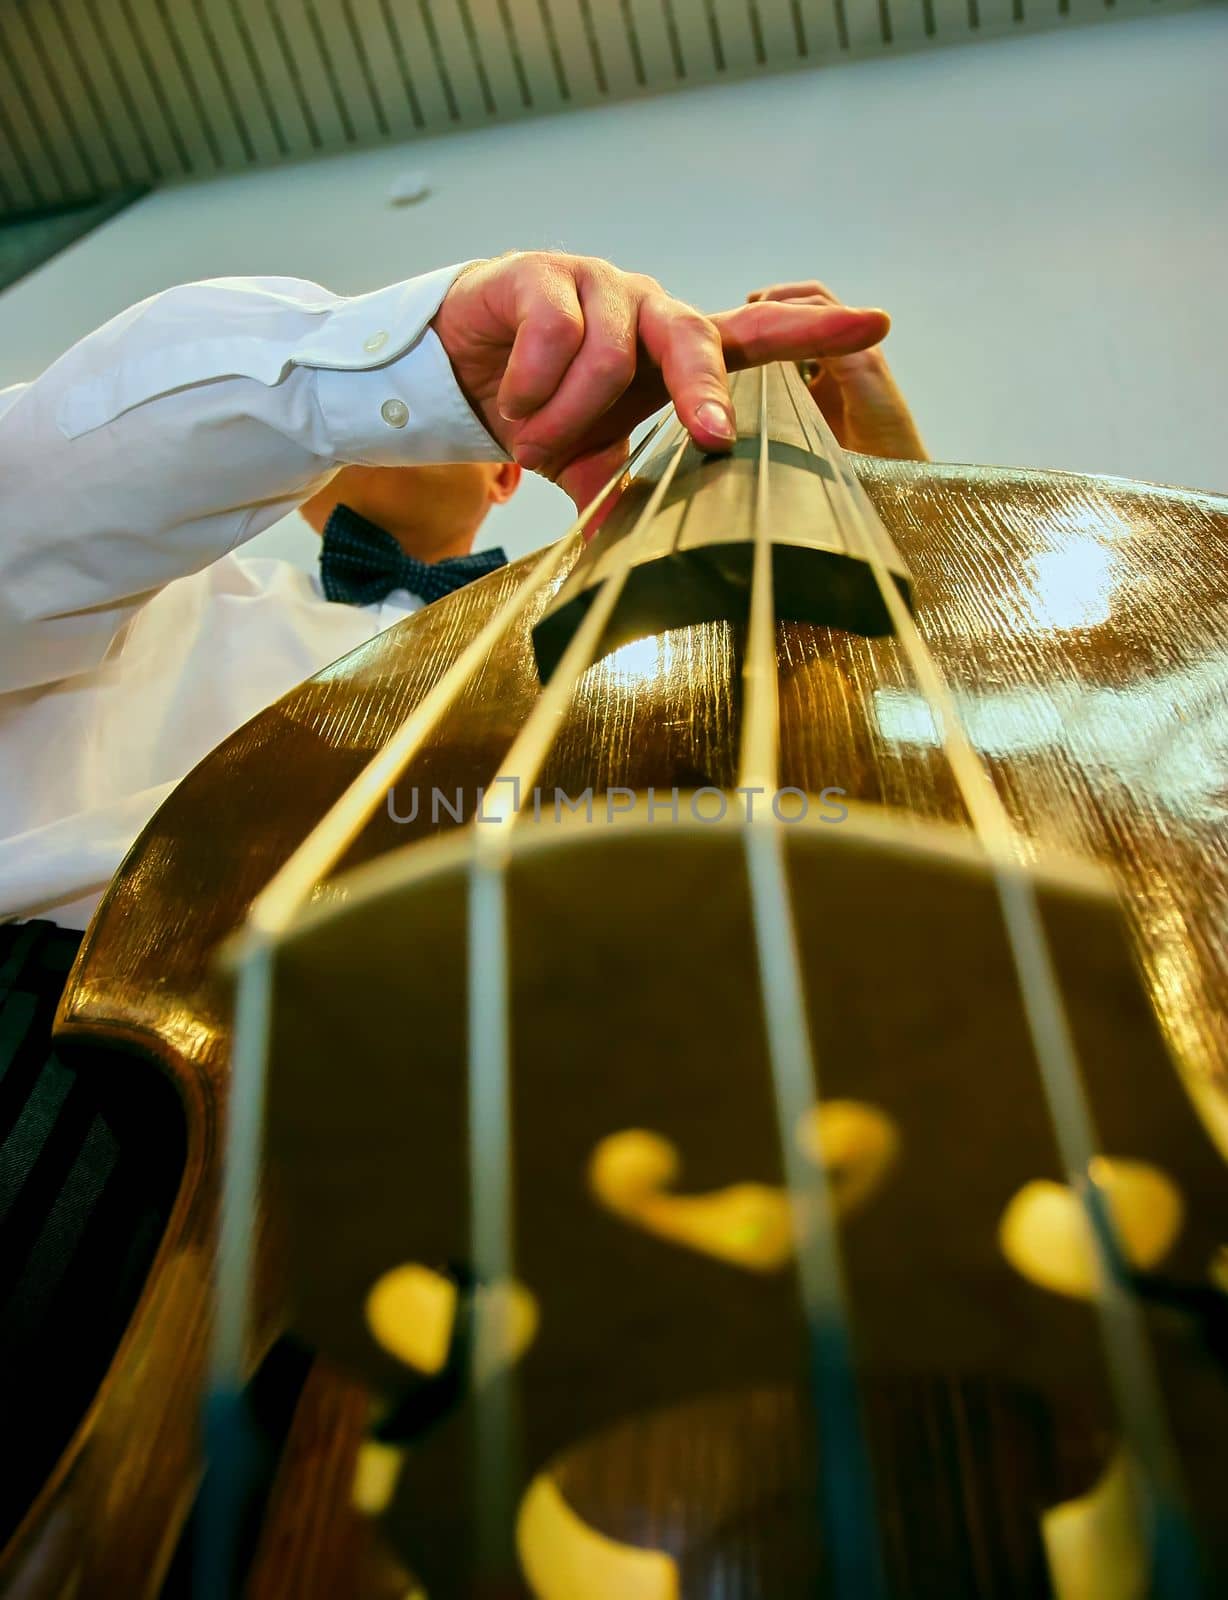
{"type": "Point", "coordinates": [133, 637]}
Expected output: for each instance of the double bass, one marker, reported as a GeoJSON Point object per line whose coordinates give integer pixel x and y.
{"type": "Point", "coordinates": [714, 1039]}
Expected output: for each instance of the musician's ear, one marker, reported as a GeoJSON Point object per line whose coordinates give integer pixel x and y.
{"type": "Point", "coordinates": [505, 481]}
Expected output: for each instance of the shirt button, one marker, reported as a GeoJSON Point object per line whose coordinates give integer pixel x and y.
{"type": "Point", "coordinates": [395, 413]}
{"type": "Point", "coordinates": [377, 341]}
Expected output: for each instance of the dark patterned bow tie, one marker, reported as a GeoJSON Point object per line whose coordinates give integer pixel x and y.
{"type": "Point", "coordinates": [360, 564]}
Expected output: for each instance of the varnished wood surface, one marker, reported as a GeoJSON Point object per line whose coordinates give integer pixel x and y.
{"type": "Point", "coordinates": [297, 1554]}
{"type": "Point", "coordinates": [1105, 731]}
{"type": "Point", "coordinates": [636, 1007]}
{"type": "Point", "coordinates": [715, 1482]}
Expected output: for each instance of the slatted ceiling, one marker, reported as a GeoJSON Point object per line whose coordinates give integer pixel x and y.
{"type": "Point", "coordinates": [14, 55]}
{"type": "Point", "coordinates": [863, 27]}
{"type": "Point", "coordinates": [460, 48]}
{"type": "Point", "coordinates": [315, 78]}
{"type": "Point", "coordinates": [112, 62]}
{"type": "Point", "coordinates": [456, 44]}
{"type": "Point", "coordinates": [650, 22]}
{"type": "Point", "coordinates": [981, 14]}
{"type": "Point", "coordinates": [141, 96]}
{"type": "Point", "coordinates": [28, 63]}
{"type": "Point", "coordinates": [240, 70]}
{"type": "Point", "coordinates": [72, 96]}
{"type": "Point", "coordinates": [888, 22]}
{"type": "Point", "coordinates": [117, 109]}
{"type": "Point", "coordinates": [434, 90]}
{"type": "Point", "coordinates": [14, 185]}
{"type": "Point", "coordinates": [175, 86]}
{"type": "Point", "coordinates": [17, 111]}
{"type": "Point", "coordinates": [168, 101]}
{"type": "Point", "coordinates": [78, 93]}
{"type": "Point", "coordinates": [779, 25]}
{"type": "Point", "coordinates": [365, 33]}
{"type": "Point", "coordinates": [614, 47]}
{"type": "Point", "coordinates": [821, 29]}
{"type": "Point", "coordinates": [359, 112]}
{"type": "Point", "coordinates": [549, 79]}
{"type": "Point", "coordinates": [29, 173]}
{"type": "Point", "coordinates": [291, 111]}
{"type": "Point", "coordinates": [394, 71]}
{"type": "Point", "coordinates": [578, 47]}
{"type": "Point", "coordinates": [434, 94]}
{"type": "Point", "coordinates": [548, 89]}
{"type": "Point", "coordinates": [138, 59]}
{"type": "Point", "coordinates": [734, 37]}
{"type": "Point", "coordinates": [269, 72]}
{"type": "Point", "coordinates": [97, 95]}
{"type": "Point", "coordinates": [499, 46]}
{"type": "Point", "coordinates": [405, 77]}
{"type": "Point", "coordinates": [899, 22]}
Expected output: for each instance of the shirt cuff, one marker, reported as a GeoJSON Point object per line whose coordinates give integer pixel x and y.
{"type": "Point", "coordinates": [384, 384]}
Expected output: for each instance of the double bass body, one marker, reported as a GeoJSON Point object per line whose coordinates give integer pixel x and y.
{"type": "Point", "coordinates": [1079, 623]}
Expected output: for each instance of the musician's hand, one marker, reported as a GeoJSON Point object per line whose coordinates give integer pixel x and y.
{"type": "Point", "coordinates": [561, 356]}
{"type": "Point", "coordinates": [856, 393]}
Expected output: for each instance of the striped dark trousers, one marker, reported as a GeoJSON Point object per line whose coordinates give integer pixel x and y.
{"type": "Point", "coordinates": [91, 1149]}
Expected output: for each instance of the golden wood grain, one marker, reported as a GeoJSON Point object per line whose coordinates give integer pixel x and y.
{"type": "Point", "coordinates": [1106, 735]}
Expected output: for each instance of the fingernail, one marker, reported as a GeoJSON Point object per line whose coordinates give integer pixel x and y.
{"type": "Point", "coordinates": [716, 418]}
{"type": "Point", "coordinates": [530, 456]}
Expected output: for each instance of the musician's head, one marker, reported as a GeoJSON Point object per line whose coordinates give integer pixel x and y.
{"type": "Point", "coordinates": [432, 512]}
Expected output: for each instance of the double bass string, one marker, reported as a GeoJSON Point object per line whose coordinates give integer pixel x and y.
{"type": "Point", "coordinates": [1130, 1366]}
{"type": "Point", "coordinates": [269, 917]}
{"type": "Point", "coordinates": [289, 888]}
{"type": "Point", "coordinates": [491, 1164]}
{"type": "Point", "coordinates": [847, 1511]}
{"type": "Point", "coordinates": [523, 761]}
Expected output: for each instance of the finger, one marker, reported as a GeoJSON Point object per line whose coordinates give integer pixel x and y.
{"type": "Point", "coordinates": [754, 334]}
{"type": "Point", "coordinates": [598, 375]}
{"type": "Point", "coordinates": [583, 478]}
{"type": "Point", "coordinates": [550, 330]}
{"type": "Point", "coordinates": [687, 348]}
{"type": "Point", "coordinates": [809, 289]}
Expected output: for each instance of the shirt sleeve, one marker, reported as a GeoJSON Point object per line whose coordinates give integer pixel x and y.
{"type": "Point", "coordinates": [189, 423]}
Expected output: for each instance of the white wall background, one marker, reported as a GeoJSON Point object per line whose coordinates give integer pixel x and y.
{"type": "Point", "coordinates": [1046, 218]}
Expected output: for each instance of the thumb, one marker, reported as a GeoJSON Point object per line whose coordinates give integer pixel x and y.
{"type": "Point", "coordinates": [585, 476]}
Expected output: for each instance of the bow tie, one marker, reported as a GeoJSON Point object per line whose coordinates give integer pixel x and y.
{"type": "Point", "coordinates": [360, 564]}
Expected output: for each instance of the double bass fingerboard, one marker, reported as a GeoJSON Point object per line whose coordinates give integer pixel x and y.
{"type": "Point", "coordinates": [691, 560]}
